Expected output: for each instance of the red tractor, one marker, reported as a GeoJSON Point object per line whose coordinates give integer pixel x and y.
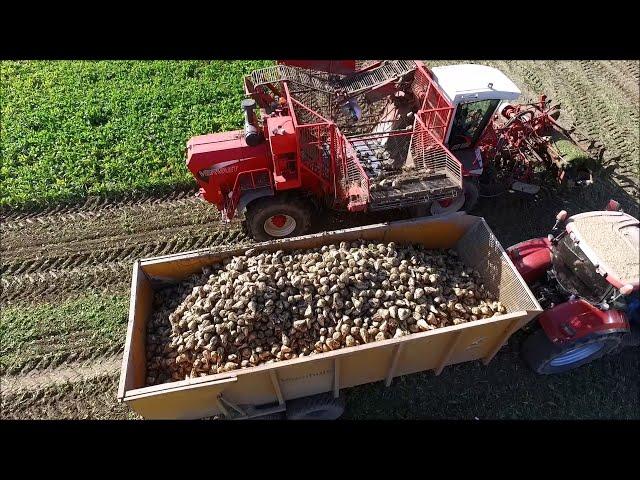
{"type": "Point", "coordinates": [586, 278]}
{"type": "Point", "coordinates": [390, 134]}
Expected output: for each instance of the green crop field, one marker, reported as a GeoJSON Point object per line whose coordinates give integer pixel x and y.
{"type": "Point", "coordinates": [75, 128]}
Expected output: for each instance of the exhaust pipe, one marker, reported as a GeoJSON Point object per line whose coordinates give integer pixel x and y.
{"type": "Point", "coordinates": [252, 135]}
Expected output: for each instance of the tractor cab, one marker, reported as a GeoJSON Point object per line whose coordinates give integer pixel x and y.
{"type": "Point", "coordinates": [589, 292]}
{"type": "Point", "coordinates": [598, 256]}
{"type": "Point", "coordinates": [475, 92]}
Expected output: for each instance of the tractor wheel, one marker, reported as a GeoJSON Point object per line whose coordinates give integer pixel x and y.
{"type": "Point", "coordinates": [467, 201]}
{"type": "Point", "coordinates": [546, 357]}
{"type": "Point", "coordinates": [317, 407]}
{"type": "Point", "coordinates": [272, 218]}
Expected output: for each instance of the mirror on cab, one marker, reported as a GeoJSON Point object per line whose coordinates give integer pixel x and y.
{"type": "Point", "coordinates": [561, 216]}
{"type": "Point", "coordinates": [626, 289]}
{"type": "Point", "coordinates": [613, 206]}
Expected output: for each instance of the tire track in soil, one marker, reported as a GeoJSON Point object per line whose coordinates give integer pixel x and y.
{"type": "Point", "coordinates": [597, 119]}
{"type": "Point", "coordinates": [75, 349]}
{"type": "Point", "coordinates": [596, 73]}
{"type": "Point", "coordinates": [87, 253]}
{"type": "Point", "coordinates": [93, 205]}
{"type": "Point", "coordinates": [44, 286]}
{"type": "Point", "coordinates": [124, 219]}
{"type": "Point", "coordinates": [604, 75]}
{"type": "Point", "coordinates": [68, 373]}
{"type": "Point", "coordinates": [627, 89]}
{"type": "Point", "coordinates": [65, 251]}
{"type": "Point", "coordinates": [111, 277]}
{"type": "Point", "coordinates": [92, 398]}
{"type": "Point", "coordinates": [631, 68]}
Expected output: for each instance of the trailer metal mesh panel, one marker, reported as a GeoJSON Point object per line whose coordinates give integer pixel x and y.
{"type": "Point", "coordinates": [480, 248]}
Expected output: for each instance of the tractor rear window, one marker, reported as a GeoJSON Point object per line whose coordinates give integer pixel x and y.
{"type": "Point", "coordinates": [577, 274]}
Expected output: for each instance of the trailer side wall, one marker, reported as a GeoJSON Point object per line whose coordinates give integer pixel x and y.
{"type": "Point", "coordinates": [329, 372]}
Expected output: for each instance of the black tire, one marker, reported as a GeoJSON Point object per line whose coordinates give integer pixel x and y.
{"type": "Point", "coordinates": [470, 197]}
{"type": "Point", "coordinates": [259, 211]}
{"type": "Point", "coordinates": [629, 339]}
{"type": "Point", "coordinates": [317, 407]}
{"type": "Point", "coordinates": [271, 416]}
{"type": "Point", "coordinates": [538, 351]}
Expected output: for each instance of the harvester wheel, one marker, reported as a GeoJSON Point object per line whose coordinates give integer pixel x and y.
{"type": "Point", "coordinates": [317, 407]}
{"type": "Point", "coordinates": [546, 357]}
{"type": "Point", "coordinates": [272, 218]}
{"type": "Point", "coordinates": [467, 201]}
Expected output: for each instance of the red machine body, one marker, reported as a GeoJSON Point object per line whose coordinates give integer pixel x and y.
{"type": "Point", "coordinates": [355, 137]}
{"type": "Point", "coordinates": [582, 288]}
{"type": "Point", "coordinates": [293, 147]}
{"type": "Point", "coordinates": [518, 141]}
{"type": "Point", "coordinates": [218, 160]}
{"type": "Point", "coordinates": [532, 258]}
{"type": "Point", "coordinates": [576, 319]}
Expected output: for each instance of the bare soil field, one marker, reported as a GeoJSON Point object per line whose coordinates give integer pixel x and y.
{"type": "Point", "coordinates": [60, 261]}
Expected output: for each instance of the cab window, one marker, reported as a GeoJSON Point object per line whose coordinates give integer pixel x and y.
{"type": "Point", "coordinates": [469, 122]}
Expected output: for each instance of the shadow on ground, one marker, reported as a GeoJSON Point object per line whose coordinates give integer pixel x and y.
{"type": "Point", "coordinates": [607, 388]}
{"type": "Point", "coordinates": [514, 217]}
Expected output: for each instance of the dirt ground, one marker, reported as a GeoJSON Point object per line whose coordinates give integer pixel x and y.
{"type": "Point", "coordinates": [62, 252]}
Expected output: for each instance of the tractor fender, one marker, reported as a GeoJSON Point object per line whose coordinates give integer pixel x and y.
{"type": "Point", "coordinates": [532, 258]}
{"type": "Point", "coordinates": [250, 195]}
{"type": "Point", "coordinates": [575, 319]}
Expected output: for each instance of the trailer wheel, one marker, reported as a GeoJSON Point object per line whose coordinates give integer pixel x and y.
{"type": "Point", "coordinates": [546, 357]}
{"type": "Point", "coordinates": [467, 201]}
{"type": "Point", "coordinates": [272, 218]}
{"type": "Point", "coordinates": [271, 416]}
{"type": "Point", "coordinates": [317, 407]}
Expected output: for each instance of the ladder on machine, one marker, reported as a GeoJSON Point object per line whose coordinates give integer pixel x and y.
{"type": "Point", "coordinates": [351, 85]}
{"type": "Point", "coordinates": [286, 73]}
{"type": "Point", "coordinates": [389, 70]}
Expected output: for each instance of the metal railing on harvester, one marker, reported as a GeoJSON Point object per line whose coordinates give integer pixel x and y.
{"type": "Point", "coordinates": [435, 110]}
{"type": "Point", "coordinates": [430, 155]}
{"type": "Point", "coordinates": [350, 85]}
{"type": "Point", "coordinates": [326, 153]}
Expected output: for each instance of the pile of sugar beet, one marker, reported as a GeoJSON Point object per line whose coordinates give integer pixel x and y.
{"type": "Point", "coordinates": [265, 307]}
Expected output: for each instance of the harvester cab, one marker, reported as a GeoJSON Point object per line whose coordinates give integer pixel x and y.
{"type": "Point", "coordinates": [477, 93]}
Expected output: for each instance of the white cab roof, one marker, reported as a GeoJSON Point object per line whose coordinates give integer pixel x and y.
{"type": "Point", "coordinates": [470, 82]}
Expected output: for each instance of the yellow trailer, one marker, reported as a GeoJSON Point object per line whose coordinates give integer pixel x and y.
{"type": "Point", "coordinates": [309, 383]}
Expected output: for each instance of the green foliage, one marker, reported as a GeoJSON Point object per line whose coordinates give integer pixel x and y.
{"type": "Point", "coordinates": [75, 128]}
{"type": "Point", "coordinates": [571, 154]}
